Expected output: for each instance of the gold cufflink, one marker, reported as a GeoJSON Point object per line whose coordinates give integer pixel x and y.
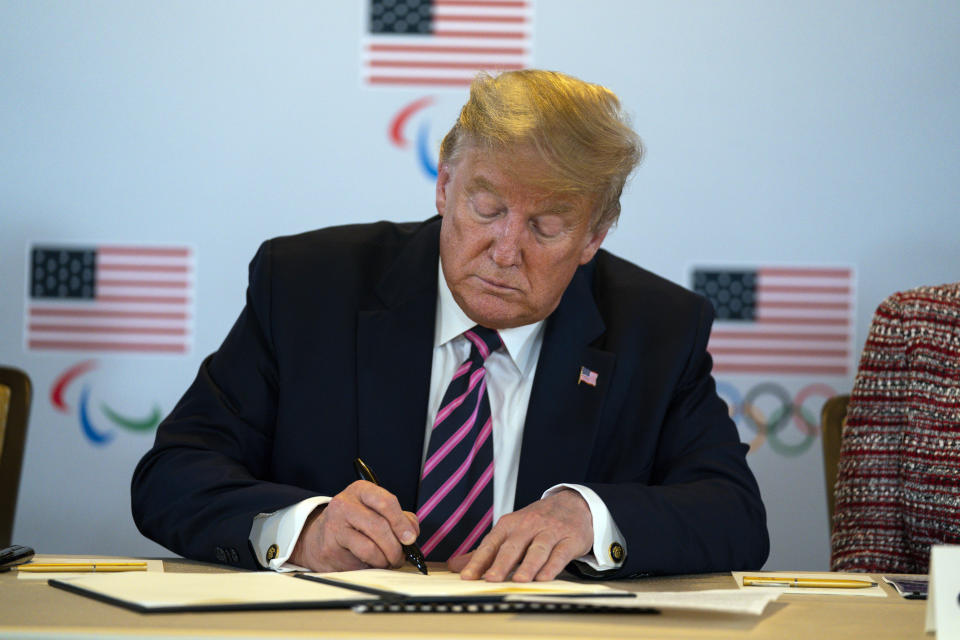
{"type": "Point", "coordinates": [616, 552]}
{"type": "Point", "coordinates": [272, 552]}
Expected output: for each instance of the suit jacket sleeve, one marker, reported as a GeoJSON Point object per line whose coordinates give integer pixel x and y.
{"type": "Point", "coordinates": [897, 491]}
{"type": "Point", "coordinates": [198, 489]}
{"type": "Point", "coordinates": [868, 523]}
{"type": "Point", "coordinates": [694, 505]}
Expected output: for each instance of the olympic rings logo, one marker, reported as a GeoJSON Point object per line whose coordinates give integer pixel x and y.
{"type": "Point", "coordinates": [767, 409]}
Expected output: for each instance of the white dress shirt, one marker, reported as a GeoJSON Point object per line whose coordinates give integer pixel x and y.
{"type": "Point", "coordinates": [510, 374]}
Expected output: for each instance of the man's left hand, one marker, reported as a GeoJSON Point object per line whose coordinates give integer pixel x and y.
{"type": "Point", "coordinates": [534, 543]}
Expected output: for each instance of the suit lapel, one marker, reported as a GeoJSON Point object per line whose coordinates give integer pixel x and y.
{"type": "Point", "coordinates": [394, 355]}
{"type": "Point", "coordinates": [563, 414]}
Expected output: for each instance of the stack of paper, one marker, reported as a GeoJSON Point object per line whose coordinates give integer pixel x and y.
{"type": "Point", "coordinates": [448, 585]}
{"type": "Point", "coordinates": [165, 592]}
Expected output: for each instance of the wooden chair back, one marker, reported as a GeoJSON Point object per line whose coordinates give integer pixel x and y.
{"type": "Point", "coordinates": [832, 419]}
{"type": "Point", "coordinates": [15, 393]}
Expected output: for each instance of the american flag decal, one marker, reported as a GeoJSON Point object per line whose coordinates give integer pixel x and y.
{"type": "Point", "coordinates": [780, 320]}
{"type": "Point", "coordinates": [444, 43]}
{"type": "Point", "coordinates": [110, 299]}
{"type": "Point", "coordinates": [587, 376]}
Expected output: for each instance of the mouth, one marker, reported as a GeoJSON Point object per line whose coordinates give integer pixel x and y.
{"type": "Point", "coordinates": [496, 286]}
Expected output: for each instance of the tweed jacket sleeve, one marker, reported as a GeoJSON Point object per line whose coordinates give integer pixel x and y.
{"type": "Point", "coordinates": [897, 487]}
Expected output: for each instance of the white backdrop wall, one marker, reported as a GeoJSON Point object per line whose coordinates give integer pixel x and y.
{"type": "Point", "coordinates": [797, 133]}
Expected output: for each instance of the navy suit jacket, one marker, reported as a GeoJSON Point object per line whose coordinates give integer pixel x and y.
{"type": "Point", "coordinates": [330, 359]}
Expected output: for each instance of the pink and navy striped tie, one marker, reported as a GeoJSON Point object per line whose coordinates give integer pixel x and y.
{"type": "Point", "coordinates": [456, 484]}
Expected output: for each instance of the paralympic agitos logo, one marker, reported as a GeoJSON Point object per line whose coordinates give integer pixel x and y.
{"type": "Point", "coordinates": [767, 411]}
{"type": "Point", "coordinates": [397, 133]}
{"type": "Point", "coordinates": [96, 427]}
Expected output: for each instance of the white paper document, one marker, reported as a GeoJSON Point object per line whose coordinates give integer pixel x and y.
{"type": "Point", "coordinates": [190, 591]}
{"type": "Point", "coordinates": [449, 584]}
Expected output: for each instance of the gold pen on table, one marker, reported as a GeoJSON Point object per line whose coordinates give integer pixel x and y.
{"type": "Point", "coordinates": [82, 567]}
{"type": "Point", "coordinates": [810, 583]}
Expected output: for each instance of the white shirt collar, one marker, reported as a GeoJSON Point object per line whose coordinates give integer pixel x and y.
{"type": "Point", "coordinates": [451, 322]}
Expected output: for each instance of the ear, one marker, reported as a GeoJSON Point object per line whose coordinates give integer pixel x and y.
{"type": "Point", "coordinates": [443, 179]}
{"type": "Point", "coordinates": [593, 244]}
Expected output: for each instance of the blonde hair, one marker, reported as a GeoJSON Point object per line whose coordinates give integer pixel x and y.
{"type": "Point", "coordinates": [578, 129]}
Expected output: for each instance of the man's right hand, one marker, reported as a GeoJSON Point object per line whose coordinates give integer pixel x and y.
{"type": "Point", "coordinates": [361, 527]}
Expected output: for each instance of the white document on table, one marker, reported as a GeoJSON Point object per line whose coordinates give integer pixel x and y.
{"type": "Point", "coordinates": [235, 590]}
{"type": "Point", "coordinates": [444, 584]}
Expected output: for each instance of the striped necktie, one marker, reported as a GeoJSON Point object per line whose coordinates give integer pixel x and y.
{"type": "Point", "coordinates": [456, 484]}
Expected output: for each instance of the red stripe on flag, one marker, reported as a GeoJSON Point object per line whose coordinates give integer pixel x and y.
{"type": "Point", "coordinates": [413, 80]}
{"type": "Point", "coordinates": [409, 48]}
{"type": "Point", "coordinates": [456, 17]}
{"type": "Point", "coordinates": [757, 351]}
{"type": "Point", "coordinates": [777, 288]}
{"type": "Point", "coordinates": [162, 284]}
{"type": "Point", "coordinates": [144, 299]}
{"type": "Point", "coordinates": [798, 272]}
{"type": "Point", "coordinates": [784, 304]}
{"type": "Point", "coordinates": [145, 268]}
{"type": "Point", "coordinates": [808, 321]}
{"type": "Point", "coordinates": [730, 367]}
{"type": "Point", "coordinates": [69, 328]}
{"type": "Point", "coordinates": [507, 35]}
{"type": "Point", "coordinates": [763, 335]}
{"type": "Point", "coordinates": [504, 4]}
{"type": "Point", "coordinates": [145, 251]}
{"type": "Point", "coordinates": [407, 64]}
{"type": "Point", "coordinates": [77, 345]}
{"type": "Point", "coordinates": [106, 313]}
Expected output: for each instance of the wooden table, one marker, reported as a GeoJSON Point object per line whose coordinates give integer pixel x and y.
{"type": "Point", "coordinates": [32, 608]}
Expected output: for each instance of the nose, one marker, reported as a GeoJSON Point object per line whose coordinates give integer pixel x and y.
{"type": "Point", "coordinates": [505, 250]}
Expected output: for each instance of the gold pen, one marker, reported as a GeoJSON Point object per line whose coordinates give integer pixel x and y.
{"type": "Point", "coordinates": [810, 583]}
{"type": "Point", "coordinates": [82, 567]}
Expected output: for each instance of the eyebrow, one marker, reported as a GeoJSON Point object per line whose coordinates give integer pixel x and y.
{"type": "Point", "coordinates": [479, 183]}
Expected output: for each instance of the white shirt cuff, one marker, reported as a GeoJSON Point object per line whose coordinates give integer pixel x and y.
{"type": "Point", "coordinates": [606, 535]}
{"type": "Point", "coordinates": [273, 535]}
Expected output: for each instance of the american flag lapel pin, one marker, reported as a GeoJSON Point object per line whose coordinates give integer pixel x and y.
{"type": "Point", "coordinates": [587, 376]}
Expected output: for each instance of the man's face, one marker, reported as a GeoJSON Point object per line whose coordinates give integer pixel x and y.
{"type": "Point", "coordinates": [509, 249]}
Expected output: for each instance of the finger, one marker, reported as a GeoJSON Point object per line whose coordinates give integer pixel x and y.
{"type": "Point", "coordinates": [334, 559]}
{"type": "Point", "coordinates": [412, 517]}
{"type": "Point", "coordinates": [388, 507]}
{"type": "Point", "coordinates": [340, 559]}
{"type": "Point", "coordinates": [536, 556]}
{"type": "Point", "coordinates": [483, 555]}
{"type": "Point", "coordinates": [508, 556]}
{"type": "Point", "coordinates": [377, 530]}
{"type": "Point", "coordinates": [347, 511]}
{"type": "Point", "coordinates": [457, 563]}
{"type": "Point", "coordinates": [361, 547]}
{"type": "Point", "coordinates": [562, 554]}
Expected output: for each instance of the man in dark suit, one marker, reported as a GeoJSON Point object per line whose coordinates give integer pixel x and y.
{"type": "Point", "coordinates": [585, 432]}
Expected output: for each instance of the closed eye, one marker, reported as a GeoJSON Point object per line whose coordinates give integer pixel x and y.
{"type": "Point", "coordinates": [486, 206]}
{"type": "Point", "coordinates": [549, 226]}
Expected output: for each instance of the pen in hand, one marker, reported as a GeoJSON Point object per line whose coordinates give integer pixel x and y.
{"type": "Point", "coordinates": [411, 551]}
